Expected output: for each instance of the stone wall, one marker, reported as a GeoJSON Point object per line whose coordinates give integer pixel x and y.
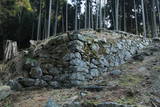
{"type": "Point", "coordinates": [75, 59]}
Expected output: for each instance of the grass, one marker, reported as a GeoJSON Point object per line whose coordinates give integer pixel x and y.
{"type": "Point", "coordinates": [156, 68]}
{"type": "Point", "coordinates": [130, 80]}
{"type": "Point", "coordinates": [7, 102]}
{"type": "Point", "coordinates": [128, 100]}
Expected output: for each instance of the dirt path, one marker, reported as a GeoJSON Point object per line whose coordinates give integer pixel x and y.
{"type": "Point", "coordinates": [139, 84]}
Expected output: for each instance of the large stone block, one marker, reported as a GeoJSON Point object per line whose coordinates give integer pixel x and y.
{"type": "Point", "coordinates": [5, 91]}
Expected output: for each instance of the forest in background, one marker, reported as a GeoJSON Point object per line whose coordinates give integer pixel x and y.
{"type": "Point", "coordinates": [24, 20]}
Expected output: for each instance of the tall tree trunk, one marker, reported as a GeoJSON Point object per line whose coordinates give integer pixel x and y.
{"type": "Point", "coordinates": [135, 12]}
{"type": "Point", "coordinates": [97, 14]}
{"type": "Point", "coordinates": [49, 19]}
{"type": "Point", "coordinates": [92, 20]}
{"type": "Point", "coordinates": [89, 14]}
{"type": "Point", "coordinates": [120, 14]}
{"type": "Point", "coordinates": [104, 13]}
{"type": "Point", "coordinates": [117, 14]}
{"type": "Point", "coordinates": [124, 17]}
{"type": "Point", "coordinates": [100, 14]}
{"type": "Point", "coordinates": [143, 15]}
{"type": "Point", "coordinates": [56, 19]}
{"type": "Point", "coordinates": [39, 23]}
{"type": "Point", "coordinates": [62, 20]}
{"type": "Point", "coordinates": [154, 19]}
{"type": "Point", "coordinates": [158, 4]}
{"type": "Point", "coordinates": [76, 23]}
{"type": "Point", "coordinates": [45, 26]}
{"type": "Point", "coordinates": [147, 20]}
{"type": "Point", "coordinates": [66, 16]}
{"type": "Point", "coordinates": [85, 23]}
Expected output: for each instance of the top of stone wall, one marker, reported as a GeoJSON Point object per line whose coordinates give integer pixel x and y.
{"type": "Point", "coordinates": [103, 35]}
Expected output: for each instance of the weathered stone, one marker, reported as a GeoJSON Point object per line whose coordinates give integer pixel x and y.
{"type": "Point", "coordinates": [77, 82]}
{"type": "Point", "coordinates": [77, 36]}
{"type": "Point", "coordinates": [15, 85]}
{"type": "Point", "coordinates": [92, 66]}
{"type": "Point", "coordinates": [89, 76]}
{"type": "Point", "coordinates": [77, 62]}
{"type": "Point", "coordinates": [77, 76]}
{"type": "Point", "coordinates": [71, 56]}
{"type": "Point", "coordinates": [95, 62]}
{"type": "Point", "coordinates": [103, 61]}
{"type": "Point", "coordinates": [54, 84]}
{"type": "Point", "coordinates": [76, 46]}
{"type": "Point", "coordinates": [5, 91]}
{"type": "Point", "coordinates": [79, 69]}
{"type": "Point", "coordinates": [132, 50]}
{"type": "Point", "coordinates": [127, 55]}
{"type": "Point", "coordinates": [27, 82]}
{"type": "Point", "coordinates": [40, 83]}
{"type": "Point", "coordinates": [113, 50]}
{"type": "Point", "coordinates": [73, 104]}
{"type": "Point", "coordinates": [112, 104]}
{"type": "Point", "coordinates": [62, 77]}
{"type": "Point", "coordinates": [47, 77]}
{"type": "Point", "coordinates": [29, 63]}
{"type": "Point", "coordinates": [51, 103]}
{"type": "Point", "coordinates": [120, 46]}
{"type": "Point", "coordinates": [95, 47]}
{"type": "Point", "coordinates": [141, 46]}
{"type": "Point", "coordinates": [54, 71]}
{"type": "Point", "coordinates": [36, 72]}
{"type": "Point", "coordinates": [116, 72]}
{"type": "Point", "coordinates": [94, 72]}
{"type": "Point", "coordinates": [102, 70]}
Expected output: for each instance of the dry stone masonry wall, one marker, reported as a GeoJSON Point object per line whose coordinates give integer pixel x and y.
{"type": "Point", "coordinates": [74, 59]}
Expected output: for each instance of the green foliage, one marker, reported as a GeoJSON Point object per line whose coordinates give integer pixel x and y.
{"type": "Point", "coordinates": [24, 3]}
{"type": "Point", "coordinates": [10, 8]}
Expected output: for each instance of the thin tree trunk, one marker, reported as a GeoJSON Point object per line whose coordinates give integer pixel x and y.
{"type": "Point", "coordinates": [100, 14]}
{"type": "Point", "coordinates": [117, 14]}
{"type": "Point", "coordinates": [66, 17]}
{"type": "Point", "coordinates": [49, 19]}
{"type": "Point", "coordinates": [124, 17]}
{"type": "Point", "coordinates": [62, 21]}
{"type": "Point", "coordinates": [135, 12]}
{"type": "Point", "coordinates": [39, 23]}
{"type": "Point", "coordinates": [89, 15]}
{"type": "Point", "coordinates": [154, 19]}
{"type": "Point", "coordinates": [85, 24]}
{"type": "Point", "coordinates": [79, 23]}
{"type": "Point", "coordinates": [147, 21]}
{"type": "Point", "coordinates": [97, 14]}
{"type": "Point", "coordinates": [56, 19]}
{"type": "Point", "coordinates": [92, 19]}
{"type": "Point", "coordinates": [120, 18]}
{"type": "Point", "coordinates": [45, 27]}
{"type": "Point", "coordinates": [143, 15]}
{"type": "Point", "coordinates": [75, 26]}
{"type": "Point", "coordinates": [158, 14]}
{"type": "Point", "coordinates": [104, 15]}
